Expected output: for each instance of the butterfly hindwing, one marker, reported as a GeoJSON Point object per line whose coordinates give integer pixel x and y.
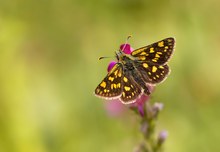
{"type": "Point", "coordinates": [153, 73]}
{"type": "Point", "coordinates": [131, 90]}
{"type": "Point", "coordinates": [157, 53]}
{"type": "Point", "coordinates": [111, 86]}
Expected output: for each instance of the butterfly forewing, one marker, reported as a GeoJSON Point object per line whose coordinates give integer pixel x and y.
{"type": "Point", "coordinates": [157, 53]}
{"type": "Point", "coordinates": [152, 73]}
{"type": "Point", "coordinates": [111, 86]}
{"type": "Point", "coordinates": [131, 90]}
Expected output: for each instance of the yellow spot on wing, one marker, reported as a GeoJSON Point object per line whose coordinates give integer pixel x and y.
{"type": "Point", "coordinates": [154, 69]}
{"type": "Point", "coordinates": [154, 60]}
{"type": "Point", "coordinates": [116, 72]}
{"type": "Point", "coordinates": [157, 56]}
{"type": "Point", "coordinates": [125, 79]}
{"type": "Point", "coordinates": [115, 86]}
{"type": "Point", "coordinates": [145, 65]}
{"type": "Point", "coordinates": [143, 53]}
{"type": "Point", "coordinates": [137, 51]}
{"type": "Point", "coordinates": [105, 90]}
{"type": "Point", "coordinates": [166, 47]}
{"type": "Point", "coordinates": [161, 67]}
{"type": "Point", "coordinates": [103, 84]}
{"type": "Point", "coordinates": [112, 86]}
{"type": "Point", "coordinates": [123, 94]}
{"type": "Point", "coordinates": [119, 74]}
{"type": "Point", "coordinates": [169, 40]}
{"type": "Point", "coordinates": [142, 58]}
{"type": "Point", "coordinates": [160, 52]}
{"type": "Point", "coordinates": [161, 44]}
{"type": "Point", "coordinates": [127, 88]}
{"type": "Point", "coordinates": [118, 85]}
{"type": "Point", "coordinates": [151, 50]}
{"type": "Point", "coordinates": [111, 78]}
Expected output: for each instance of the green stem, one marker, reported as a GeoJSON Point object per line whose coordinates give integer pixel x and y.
{"type": "Point", "coordinates": [150, 121]}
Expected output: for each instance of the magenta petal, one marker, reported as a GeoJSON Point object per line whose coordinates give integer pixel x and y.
{"type": "Point", "coordinates": [144, 98]}
{"type": "Point", "coordinates": [110, 66]}
{"type": "Point", "coordinates": [140, 103]}
{"type": "Point", "coordinates": [126, 48]}
{"type": "Point", "coordinates": [141, 110]}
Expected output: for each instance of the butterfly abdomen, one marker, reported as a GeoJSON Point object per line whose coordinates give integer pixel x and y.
{"type": "Point", "coordinates": [139, 80]}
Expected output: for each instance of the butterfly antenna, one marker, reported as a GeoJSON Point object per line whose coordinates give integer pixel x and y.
{"type": "Point", "coordinates": [104, 57]}
{"type": "Point", "coordinates": [126, 42]}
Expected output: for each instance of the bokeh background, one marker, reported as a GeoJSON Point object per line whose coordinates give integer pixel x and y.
{"type": "Point", "coordinates": [49, 69]}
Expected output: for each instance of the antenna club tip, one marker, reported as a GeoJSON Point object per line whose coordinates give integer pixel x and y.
{"type": "Point", "coordinates": [129, 36]}
{"type": "Point", "coordinates": [103, 57]}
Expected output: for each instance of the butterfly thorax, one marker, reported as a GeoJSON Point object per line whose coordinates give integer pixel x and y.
{"type": "Point", "coordinates": [124, 58]}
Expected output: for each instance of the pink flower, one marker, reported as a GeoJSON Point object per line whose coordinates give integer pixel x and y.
{"type": "Point", "coordinates": [115, 107]}
{"type": "Point", "coordinates": [126, 48]}
{"type": "Point", "coordinates": [110, 65]}
{"type": "Point", "coordinates": [140, 102]}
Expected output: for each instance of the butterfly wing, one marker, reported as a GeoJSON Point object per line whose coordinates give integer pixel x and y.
{"type": "Point", "coordinates": [152, 73]}
{"type": "Point", "coordinates": [131, 90]}
{"type": "Point", "coordinates": [111, 86]}
{"type": "Point", "coordinates": [157, 53]}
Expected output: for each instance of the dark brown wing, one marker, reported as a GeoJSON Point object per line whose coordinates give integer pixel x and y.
{"type": "Point", "coordinates": [152, 73]}
{"type": "Point", "coordinates": [111, 85]}
{"type": "Point", "coordinates": [157, 53]}
{"type": "Point", "coordinates": [131, 90]}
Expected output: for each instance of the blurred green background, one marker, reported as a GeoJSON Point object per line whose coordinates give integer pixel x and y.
{"type": "Point", "coordinates": [49, 69]}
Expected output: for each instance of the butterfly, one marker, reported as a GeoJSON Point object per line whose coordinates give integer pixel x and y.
{"type": "Point", "coordinates": [133, 73]}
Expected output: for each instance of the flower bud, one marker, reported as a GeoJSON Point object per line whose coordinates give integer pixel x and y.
{"type": "Point", "coordinates": [162, 137]}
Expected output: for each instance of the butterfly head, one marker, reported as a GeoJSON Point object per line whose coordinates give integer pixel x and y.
{"type": "Point", "coordinates": [122, 56]}
{"type": "Point", "coordinates": [119, 55]}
